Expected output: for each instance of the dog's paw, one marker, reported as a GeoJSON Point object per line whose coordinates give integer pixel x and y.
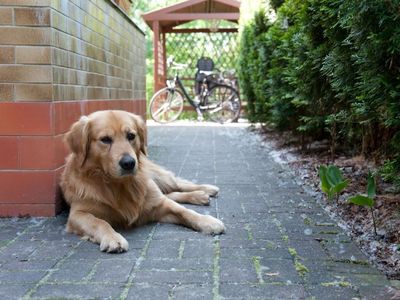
{"type": "Point", "coordinates": [115, 243]}
{"type": "Point", "coordinates": [211, 190]}
{"type": "Point", "coordinates": [211, 225]}
{"type": "Point", "coordinates": [200, 198]}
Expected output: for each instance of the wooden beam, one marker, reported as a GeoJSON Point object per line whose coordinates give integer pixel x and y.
{"type": "Point", "coordinates": [195, 16]}
{"type": "Point", "coordinates": [168, 9]}
{"type": "Point", "coordinates": [189, 30]}
{"type": "Point", "coordinates": [229, 3]}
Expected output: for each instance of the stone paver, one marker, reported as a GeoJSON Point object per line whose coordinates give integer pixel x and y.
{"type": "Point", "coordinates": [279, 243]}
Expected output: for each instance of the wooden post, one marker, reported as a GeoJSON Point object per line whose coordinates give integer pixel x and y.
{"type": "Point", "coordinates": [164, 50]}
{"type": "Point", "coordinates": [156, 41]}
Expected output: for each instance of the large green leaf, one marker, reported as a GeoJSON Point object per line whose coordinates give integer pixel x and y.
{"type": "Point", "coordinates": [340, 186]}
{"type": "Point", "coordinates": [325, 186]}
{"type": "Point", "coordinates": [371, 186]}
{"type": "Point", "coordinates": [334, 175]}
{"type": "Point", "coordinates": [362, 200]}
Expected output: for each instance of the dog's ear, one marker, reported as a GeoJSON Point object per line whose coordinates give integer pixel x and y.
{"type": "Point", "coordinates": [142, 132]}
{"type": "Point", "coordinates": [78, 138]}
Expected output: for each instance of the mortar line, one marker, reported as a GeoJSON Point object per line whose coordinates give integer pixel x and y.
{"type": "Point", "coordinates": [138, 262]}
{"type": "Point", "coordinates": [217, 245]}
{"type": "Point", "coordinates": [181, 249]}
{"type": "Point", "coordinates": [91, 273]}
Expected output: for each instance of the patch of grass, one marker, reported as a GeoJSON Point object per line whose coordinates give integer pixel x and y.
{"type": "Point", "coordinates": [271, 245]}
{"type": "Point", "coordinates": [249, 233]}
{"type": "Point", "coordinates": [301, 269]}
{"type": "Point", "coordinates": [285, 238]}
{"type": "Point", "coordinates": [293, 252]}
{"type": "Point", "coordinates": [257, 267]}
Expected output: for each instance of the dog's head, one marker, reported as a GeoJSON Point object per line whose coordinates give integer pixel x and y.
{"type": "Point", "coordinates": [110, 140]}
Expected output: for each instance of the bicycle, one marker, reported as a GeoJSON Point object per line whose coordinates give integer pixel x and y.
{"type": "Point", "coordinates": [220, 102]}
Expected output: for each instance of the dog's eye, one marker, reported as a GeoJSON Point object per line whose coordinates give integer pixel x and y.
{"type": "Point", "coordinates": [130, 136]}
{"type": "Point", "coordinates": [106, 140]}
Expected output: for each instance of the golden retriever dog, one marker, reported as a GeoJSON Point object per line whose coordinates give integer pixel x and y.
{"type": "Point", "coordinates": [110, 183]}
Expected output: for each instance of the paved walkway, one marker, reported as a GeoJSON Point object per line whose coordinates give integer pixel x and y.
{"type": "Point", "coordinates": [279, 243]}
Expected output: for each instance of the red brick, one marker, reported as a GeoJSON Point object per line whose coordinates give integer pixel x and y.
{"type": "Point", "coordinates": [61, 151]}
{"type": "Point", "coordinates": [25, 119]}
{"type": "Point", "coordinates": [9, 153]}
{"type": "Point", "coordinates": [23, 210]}
{"type": "Point", "coordinates": [92, 106]}
{"type": "Point", "coordinates": [27, 187]}
{"type": "Point", "coordinates": [41, 152]}
{"type": "Point", "coordinates": [65, 114]}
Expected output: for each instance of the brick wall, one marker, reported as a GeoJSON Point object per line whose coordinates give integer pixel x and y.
{"type": "Point", "coordinates": [59, 59]}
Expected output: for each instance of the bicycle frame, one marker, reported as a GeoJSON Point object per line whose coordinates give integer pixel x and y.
{"type": "Point", "coordinates": [185, 93]}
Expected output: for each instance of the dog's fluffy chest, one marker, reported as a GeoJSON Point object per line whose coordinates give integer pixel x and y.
{"type": "Point", "coordinates": [127, 199]}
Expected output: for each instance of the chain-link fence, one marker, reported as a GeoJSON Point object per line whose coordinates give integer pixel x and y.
{"type": "Point", "coordinates": [187, 48]}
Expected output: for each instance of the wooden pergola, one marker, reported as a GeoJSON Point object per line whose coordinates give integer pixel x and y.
{"type": "Point", "coordinates": [166, 20]}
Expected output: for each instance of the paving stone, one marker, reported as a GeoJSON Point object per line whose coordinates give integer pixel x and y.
{"type": "Point", "coordinates": [78, 291]}
{"type": "Point", "coordinates": [17, 276]}
{"type": "Point", "coordinates": [378, 292]}
{"type": "Point", "coordinates": [112, 270]}
{"type": "Point", "coordinates": [73, 270]}
{"type": "Point", "coordinates": [345, 251]}
{"type": "Point", "coordinates": [19, 250]}
{"type": "Point", "coordinates": [279, 270]}
{"type": "Point", "coordinates": [184, 264]}
{"type": "Point", "coordinates": [29, 264]}
{"type": "Point", "coordinates": [269, 291]}
{"type": "Point", "coordinates": [149, 291]}
{"type": "Point", "coordinates": [332, 292]}
{"type": "Point", "coordinates": [198, 248]}
{"type": "Point", "coordinates": [164, 249]}
{"type": "Point", "coordinates": [310, 249]}
{"type": "Point", "coordinates": [14, 291]}
{"type": "Point", "coordinates": [239, 270]}
{"type": "Point", "coordinates": [173, 277]}
{"type": "Point", "coordinates": [263, 248]}
{"type": "Point", "coordinates": [192, 292]}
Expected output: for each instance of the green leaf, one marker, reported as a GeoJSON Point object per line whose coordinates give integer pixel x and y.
{"type": "Point", "coordinates": [340, 186]}
{"type": "Point", "coordinates": [325, 186]}
{"type": "Point", "coordinates": [371, 186]}
{"type": "Point", "coordinates": [334, 175]}
{"type": "Point", "coordinates": [361, 200]}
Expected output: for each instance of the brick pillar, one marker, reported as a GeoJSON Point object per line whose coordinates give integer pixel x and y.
{"type": "Point", "coordinates": [58, 60]}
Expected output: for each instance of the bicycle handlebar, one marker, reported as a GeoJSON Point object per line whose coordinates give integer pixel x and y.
{"type": "Point", "coordinates": [171, 63]}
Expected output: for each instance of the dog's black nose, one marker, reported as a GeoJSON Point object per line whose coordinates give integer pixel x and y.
{"type": "Point", "coordinates": [127, 162]}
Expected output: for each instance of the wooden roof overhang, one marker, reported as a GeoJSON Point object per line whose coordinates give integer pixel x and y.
{"type": "Point", "coordinates": [190, 10]}
{"type": "Point", "coordinates": [165, 20]}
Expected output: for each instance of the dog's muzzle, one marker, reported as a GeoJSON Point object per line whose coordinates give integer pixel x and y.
{"type": "Point", "coordinates": [127, 164]}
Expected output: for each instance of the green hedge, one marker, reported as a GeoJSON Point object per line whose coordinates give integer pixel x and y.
{"type": "Point", "coordinates": [328, 68]}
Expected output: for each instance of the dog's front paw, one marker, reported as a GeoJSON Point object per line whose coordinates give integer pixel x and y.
{"type": "Point", "coordinates": [211, 225]}
{"type": "Point", "coordinates": [211, 190]}
{"type": "Point", "coordinates": [114, 243]}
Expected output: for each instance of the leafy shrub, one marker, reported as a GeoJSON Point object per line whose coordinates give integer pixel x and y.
{"type": "Point", "coordinates": [328, 68]}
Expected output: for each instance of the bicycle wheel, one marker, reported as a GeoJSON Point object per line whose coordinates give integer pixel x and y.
{"type": "Point", "coordinates": [223, 104]}
{"type": "Point", "coordinates": [166, 105]}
